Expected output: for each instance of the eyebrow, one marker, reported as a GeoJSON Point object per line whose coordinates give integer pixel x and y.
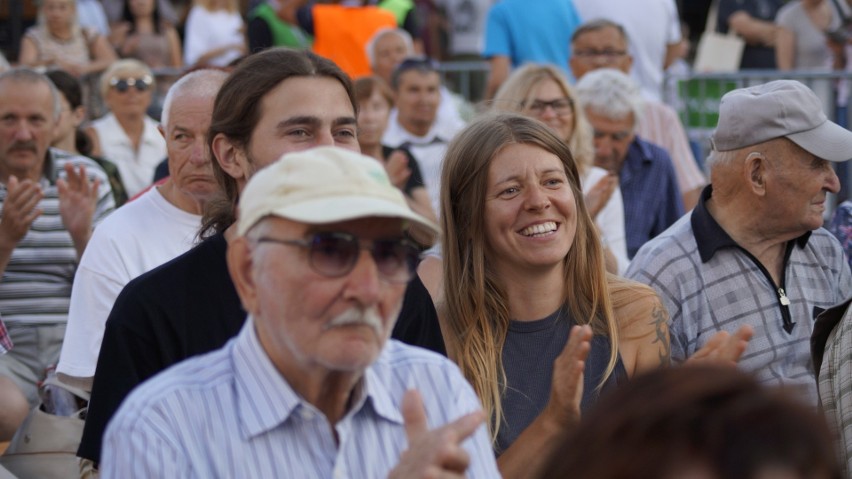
{"type": "Point", "coordinates": [314, 121]}
{"type": "Point", "coordinates": [543, 172]}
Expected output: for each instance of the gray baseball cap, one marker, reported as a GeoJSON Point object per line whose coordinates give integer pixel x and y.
{"type": "Point", "coordinates": [782, 108]}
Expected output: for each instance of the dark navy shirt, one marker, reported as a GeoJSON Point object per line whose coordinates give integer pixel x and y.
{"type": "Point", "coordinates": [528, 355]}
{"type": "Point", "coordinates": [652, 200]}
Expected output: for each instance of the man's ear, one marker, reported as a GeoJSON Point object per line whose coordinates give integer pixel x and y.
{"type": "Point", "coordinates": [231, 158]}
{"type": "Point", "coordinates": [240, 266]}
{"type": "Point", "coordinates": [79, 115]}
{"type": "Point", "coordinates": [755, 169]}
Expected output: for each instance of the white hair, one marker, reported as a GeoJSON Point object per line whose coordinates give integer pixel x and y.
{"type": "Point", "coordinates": [371, 44]}
{"type": "Point", "coordinates": [203, 83]}
{"type": "Point", "coordinates": [611, 93]}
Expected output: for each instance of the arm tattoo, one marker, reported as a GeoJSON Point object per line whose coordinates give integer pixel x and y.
{"type": "Point", "coordinates": [660, 319]}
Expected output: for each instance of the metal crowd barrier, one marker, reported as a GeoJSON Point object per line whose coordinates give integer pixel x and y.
{"type": "Point", "coordinates": [696, 97]}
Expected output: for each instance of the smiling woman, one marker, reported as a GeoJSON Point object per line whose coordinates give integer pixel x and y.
{"type": "Point", "coordinates": [512, 195]}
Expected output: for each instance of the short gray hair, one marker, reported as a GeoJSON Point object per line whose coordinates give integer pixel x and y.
{"type": "Point", "coordinates": [371, 44]}
{"type": "Point", "coordinates": [204, 83]}
{"type": "Point", "coordinates": [27, 75]}
{"type": "Point", "coordinates": [600, 24]}
{"type": "Point", "coordinates": [611, 93]}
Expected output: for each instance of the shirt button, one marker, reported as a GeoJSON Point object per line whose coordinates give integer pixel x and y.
{"type": "Point", "coordinates": [338, 474]}
{"type": "Point", "coordinates": [306, 414]}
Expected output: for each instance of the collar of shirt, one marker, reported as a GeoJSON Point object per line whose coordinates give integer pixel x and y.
{"type": "Point", "coordinates": [265, 400]}
{"type": "Point", "coordinates": [396, 134]}
{"type": "Point", "coordinates": [709, 235]}
{"type": "Point", "coordinates": [150, 134]}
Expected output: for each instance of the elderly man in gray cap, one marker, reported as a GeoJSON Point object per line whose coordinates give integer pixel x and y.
{"type": "Point", "coordinates": [753, 252]}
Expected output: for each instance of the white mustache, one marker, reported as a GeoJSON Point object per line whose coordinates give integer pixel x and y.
{"type": "Point", "coordinates": [366, 317]}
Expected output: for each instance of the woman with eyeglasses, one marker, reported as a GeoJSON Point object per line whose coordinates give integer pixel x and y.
{"type": "Point", "coordinates": [375, 101]}
{"type": "Point", "coordinates": [543, 93]}
{"type": "Point", "coordinates": [58, 41]}
{"type": "Point", "coordinates": [126, 135]}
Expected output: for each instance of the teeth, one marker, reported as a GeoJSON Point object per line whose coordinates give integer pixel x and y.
{"type": "Point", "coordinates": [539, 229]}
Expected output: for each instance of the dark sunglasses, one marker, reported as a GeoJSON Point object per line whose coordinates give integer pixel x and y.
{"type": "Point", "coordinates": [334, 254]}
{"type": "Point", "coordinates": [124, 84]}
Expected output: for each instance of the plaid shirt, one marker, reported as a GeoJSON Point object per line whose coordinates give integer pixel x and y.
{"type": "Point", "coordinates": [835, 374]}
{"type": "Point", "coordinates": [709, 284]}
{"type": "Point", "coordinates": [5, 340]}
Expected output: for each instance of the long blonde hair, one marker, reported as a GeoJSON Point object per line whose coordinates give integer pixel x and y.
{"type": "Point", "coordinates": [516, 92]}
{"type": "Point", "coordinates": [476, 309]}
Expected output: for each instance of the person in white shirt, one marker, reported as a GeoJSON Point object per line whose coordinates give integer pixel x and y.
{"type": "Point", "coordinates": [415, 124]}
{"type": "Point", "coordinates": [127, 136]}
{"type": "Point", "coordinates": [214, 33]}
{"type": "Point", "coordinates": [145, 233]}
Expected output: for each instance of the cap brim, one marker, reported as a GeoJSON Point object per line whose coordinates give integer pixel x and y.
{"type": "Point", "coordinates": [341, 208]}
{"type": "Point", "coordinates": [828, 141]}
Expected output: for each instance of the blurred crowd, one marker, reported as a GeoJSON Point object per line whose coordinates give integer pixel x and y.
{"type": "Point", "coordinates": [231, 228]}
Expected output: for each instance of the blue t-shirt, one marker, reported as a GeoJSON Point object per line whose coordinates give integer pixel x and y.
{"type": "Point", "coordinates": [536, 31]}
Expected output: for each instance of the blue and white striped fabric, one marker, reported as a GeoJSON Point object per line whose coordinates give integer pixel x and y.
{"type": "Point", "coordinates": [230, 413]}
{"type": "Point", "coordinates": [36, 284]}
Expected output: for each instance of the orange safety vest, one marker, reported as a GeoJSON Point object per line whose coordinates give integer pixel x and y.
{"type": "Point", "coordinates": [341, 34]}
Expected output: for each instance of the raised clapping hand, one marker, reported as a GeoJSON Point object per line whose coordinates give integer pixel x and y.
{"type": "Point", "coordinates": [567, 388]}
{"type": "Point", "coordinates": [437, 453]}
{"type": "Point", "coordinates": [397, 169]}
{"type": "Point", "coordinates": [599, 195]}
{"type": "Point", "coordinates": [77, 200]}
{"type": "Point", "coordinates": [724, 347]}
{"type": "Point", "coordinates": [20, 209]}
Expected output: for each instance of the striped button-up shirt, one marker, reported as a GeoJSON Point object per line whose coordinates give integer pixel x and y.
{"type": "Point", "coordinates": [230, 413]}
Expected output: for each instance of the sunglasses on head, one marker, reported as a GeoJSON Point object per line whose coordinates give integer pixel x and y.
{"type": "Point", "coordinates": [424, 64]}
{"type": "Point", "coordinates": [124, 84]}
{"type": "Point", "coordinates": [334, 254]}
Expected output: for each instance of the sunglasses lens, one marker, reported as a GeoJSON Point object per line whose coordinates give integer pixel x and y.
{"type": "Point", "coordinates": [396, 260]}
{"type": "Point", "coordinates": [334, 254]}
{"type": "Point", "coordinates": [142, 85]}
{"type": "Point", "coordinates": [122, 85]}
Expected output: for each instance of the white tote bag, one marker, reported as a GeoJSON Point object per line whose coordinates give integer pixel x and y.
{"type": "Point", "coordinates": [717, 52]}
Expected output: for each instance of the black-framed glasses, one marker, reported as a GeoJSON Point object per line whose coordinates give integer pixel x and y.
{"type": "Point", "coordinates": [334, 254]}
{"type": "Point", "coordinates": [608, 55]}
{"type": "Point", "coordinates": [561, 106]}
{"type": "Point", "coordinates": [124, 84]}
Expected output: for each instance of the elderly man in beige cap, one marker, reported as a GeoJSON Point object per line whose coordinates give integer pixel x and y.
{"type": "Point", "coordinates": [753, 252]}
{"type": "Point", "coordinates": [311, 386]}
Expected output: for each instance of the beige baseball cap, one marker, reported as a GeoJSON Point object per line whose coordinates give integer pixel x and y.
{"type": "Point", "coordinates": [323, 185]}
